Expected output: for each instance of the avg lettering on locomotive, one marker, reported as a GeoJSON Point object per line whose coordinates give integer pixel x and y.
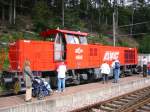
{"type": "Point", "coordinates": [111, 55]}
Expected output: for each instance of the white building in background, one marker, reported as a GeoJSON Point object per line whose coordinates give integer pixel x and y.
{"type": "Point", "coordinates": [123, 2]}
{"type": "Point", "coordinates": [128, 2]}
{"type": "Point", "coordinates": [96, 3]}
{"type": "Point", "coordinates": [140, 57]}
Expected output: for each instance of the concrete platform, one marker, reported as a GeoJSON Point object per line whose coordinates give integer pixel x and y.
{"type": "Point", "coordinates": [74, 97]}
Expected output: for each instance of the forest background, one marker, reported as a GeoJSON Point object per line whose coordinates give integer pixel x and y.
{"type": "Point", "coordinates": [26, 18]}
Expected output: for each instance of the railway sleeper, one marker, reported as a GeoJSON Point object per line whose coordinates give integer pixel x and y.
{"type": "Point", "coordinates": [148, 104]}
{"type": "Point", "coordinates": [130, 98]}
{"type": "Point", "coordinates": [111, 105]}
{"type": "Point", "coordinates": [148, 89]}
{"type": "Point", "coordinates": [118, 103]}
{"type": "Point", "coordinates": [138, 93]}
{"type": "Point", "coordinates": [134, 96]}
{"type": "Point", "coordinates": [146, 108]}
{"type": "Point", "coordinates": [95, 110]}
{"type": "Point", "coordinates": [107, 109]}
{"type": "Point", "coordinates": [124, 100]}
{"type": "Point", "coordinates": [139, 110]}
{"type": "Point", "coordinates": [144, 91]}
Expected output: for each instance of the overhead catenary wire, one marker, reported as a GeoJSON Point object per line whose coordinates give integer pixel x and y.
{"type": "Point", "coordinates": [131, 34]}
{"type": "Point", "coordinates": [134, 24]}
{"type": "Point", "coordinates": [140, 23]}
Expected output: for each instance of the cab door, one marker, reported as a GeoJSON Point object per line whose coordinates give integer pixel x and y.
{"type": "Point", "coordinates": [59, 47]}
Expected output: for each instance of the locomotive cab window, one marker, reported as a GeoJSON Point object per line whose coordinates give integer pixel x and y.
{"type": "Point", "coordinates": [59, 47]}
{"type": "Point", "coordinates": [72, 39]}
{"type": "Point", "coordinates": [83, 39]}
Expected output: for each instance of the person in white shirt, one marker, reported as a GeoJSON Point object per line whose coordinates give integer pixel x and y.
{"type": "Point", "coordinates": [61, 70]}
{"type": "Point", "coordinates": [105, 71]}
{"type": "Point", "coordinates": [144, 66]}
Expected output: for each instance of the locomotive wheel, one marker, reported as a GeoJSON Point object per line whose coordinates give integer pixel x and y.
{"type": "Point", "coordinates": [16, 87]}
{"type": "Point", "coordinates": [40, 95]}
{"type": "Point", "coordinates": [77, 82]}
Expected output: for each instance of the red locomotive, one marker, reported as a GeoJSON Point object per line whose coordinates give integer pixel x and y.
{"type": "Point", "coordinates": [82, 59]}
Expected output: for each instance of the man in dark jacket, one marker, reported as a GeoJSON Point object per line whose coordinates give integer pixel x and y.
{"type": "Point", "coordinates": [144, 66]}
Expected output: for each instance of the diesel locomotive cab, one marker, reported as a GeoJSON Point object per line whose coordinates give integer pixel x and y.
{"type": "Point", "coordinates": [67, 47]}
{"type": "Point", "coordinates": [60, 42]}
{"type": "Point", "coordinates": [60, 52]}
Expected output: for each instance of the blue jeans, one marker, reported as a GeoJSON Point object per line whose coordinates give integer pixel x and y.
{"type": "Point", "coordinates": [116, 74]}
{"type": "Point", "coordinates": [105, 77]}
{"type": "Point", "coordinates": [148, 71]}
{"type": "Point", "coordinates": [61, 84]}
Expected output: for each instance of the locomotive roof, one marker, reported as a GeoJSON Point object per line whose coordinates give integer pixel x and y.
{"type": "Point", "coordinates": [49, 32]}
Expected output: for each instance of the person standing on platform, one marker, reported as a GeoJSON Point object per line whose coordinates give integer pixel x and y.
{"type": "Point", "coordinates": [61, 70]}
{"type": "Point", "coordinates": [116, 70]}
{"type": "Point", "coordinates": [28, 80]}
{"type": "Point", "coordinates": [148, 67]}
{"type": "Point", "coordinates": [144, 66]}
{"type": "Point", "coordinates": [105, 71]}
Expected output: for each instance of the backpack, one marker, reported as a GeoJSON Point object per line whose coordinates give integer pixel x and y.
{"type": "Point", "coordinates": [117, 65]}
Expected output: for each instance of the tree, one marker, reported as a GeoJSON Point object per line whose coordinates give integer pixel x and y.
{"type": "Point", "coordinates": [41, 15]}
{"type": "Point", "coordinates": [144, 44]}
{"type": "Point", "coordinates": [10, 11]}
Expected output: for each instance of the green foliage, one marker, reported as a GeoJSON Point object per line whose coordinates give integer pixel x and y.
{"type": "Point", "coordinates": [41, 15]}
{"type": "Point", "coordinates": [123, 43]}
{"type": "Point", "coordinates": [5, 38]}
{"type": "Point", "coordinates": [125, 17]}
{"type": "Point", "coordinates": [142, 15]}
{"type": "Point", "coordinates": [11, 37]}
{"type": "Point", "coordinates": [72, 20]}
{"type": "Point", "coordinates": [105, 40]}
{"type": "Point", "coordinates": [88, 15]}
{"type": "Point", "coordinates": [6, 63]}
{"type": "Point", "coordinates": [31, 35]}
{"type": "Point", "coordinates": [144, 44]}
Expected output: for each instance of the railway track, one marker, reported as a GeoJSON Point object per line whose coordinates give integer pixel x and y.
{"type": "Point", "coordinates": [137, 101]}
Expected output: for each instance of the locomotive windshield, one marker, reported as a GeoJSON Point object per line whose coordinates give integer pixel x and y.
{"type": "Point", "coordinates": [73, 39]}
{"type": "Point", "coordinates": [83, 39]}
